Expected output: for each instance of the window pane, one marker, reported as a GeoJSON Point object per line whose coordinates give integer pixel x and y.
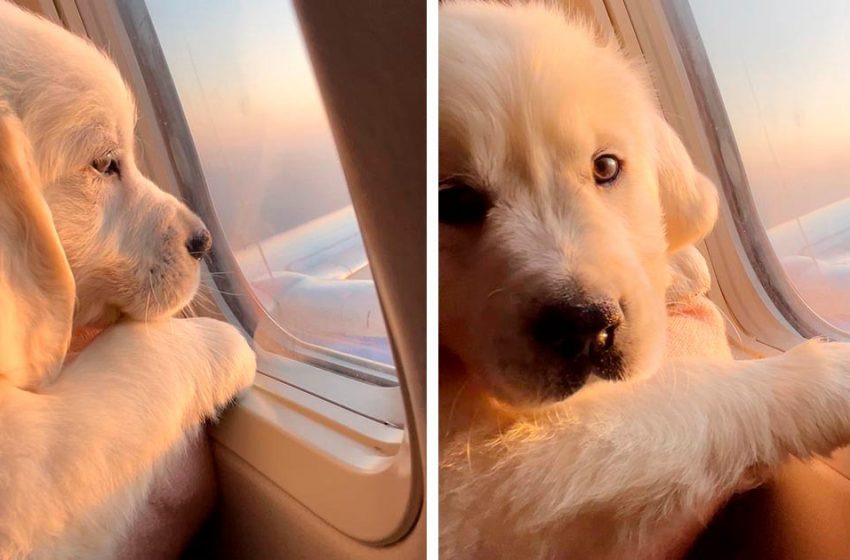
{"type": "Point", "coordinates": [249, 94]}
{"type": "Point", "coordinates": [781, 68]}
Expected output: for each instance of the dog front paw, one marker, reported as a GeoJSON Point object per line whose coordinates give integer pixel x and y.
{"type": "Point", "coordinates": [233, 364]}
{"type": "Point", "coordinates": [819, 400]}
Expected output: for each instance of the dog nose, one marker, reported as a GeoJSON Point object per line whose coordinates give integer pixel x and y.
{"type": "Point", "coordinates": [199, 243]}
{"type": "Point", "coordinates": [578, 331]}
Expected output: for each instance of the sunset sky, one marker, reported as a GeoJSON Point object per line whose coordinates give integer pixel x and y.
{"type": "Point", "coordinates": [257, 119]}
{"type": "Point", "coordinates": [782, 68]}
{"type": "Point", "coordinates": [250, 96]}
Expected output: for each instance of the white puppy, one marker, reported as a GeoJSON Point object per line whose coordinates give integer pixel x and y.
{"type": "Point", "coordinates": [562, 194]}
{"type": "Point", "coordinates": [86, 239]}
{"type": "Point", "coordinates": [133, 248]}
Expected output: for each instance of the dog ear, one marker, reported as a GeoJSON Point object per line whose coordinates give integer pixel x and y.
{"type": "Point", "coordinates": [688, 198]}
{"type": "Point", "coordinates": [36, 286]}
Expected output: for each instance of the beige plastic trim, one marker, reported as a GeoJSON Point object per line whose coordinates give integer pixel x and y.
{"type": "Point", "coordinates": [349, 470]}
{"type": "Point", "coordinates": [370, 64]}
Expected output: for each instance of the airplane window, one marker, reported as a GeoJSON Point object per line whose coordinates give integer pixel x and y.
{"type": "Point", "coordinates": [781, 72]}
{"type": "Point", "coordinates": [256, 116]}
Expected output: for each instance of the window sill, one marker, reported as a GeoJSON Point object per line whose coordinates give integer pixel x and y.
{"type": "Point", "coordinates": [352, 471]}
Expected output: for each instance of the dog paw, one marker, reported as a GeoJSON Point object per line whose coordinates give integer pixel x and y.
{"type": "Point", "coordinates": [212, 357]}
{"type": "Point", "coordinates": [820, 399]}
{"type": "Point", "coordinates": [232, 362]}
{"type": "Point", "coordinates": [826, 361]}
{"type": "Point", "coordinates": [192, 367]}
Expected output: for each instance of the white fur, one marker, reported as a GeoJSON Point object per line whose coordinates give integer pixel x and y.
{"type": "Point", "coordinates": [81, 441]}
{"type": "Point", "coordinates": [618, 469]}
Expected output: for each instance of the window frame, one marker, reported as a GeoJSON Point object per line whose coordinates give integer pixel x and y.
{"type": "Point", "coordinates": [749, 283]}
{"type": "Point", "coordinates": [340, 446]}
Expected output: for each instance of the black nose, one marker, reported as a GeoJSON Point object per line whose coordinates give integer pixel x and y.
{"type": "Point", "coordinates": [199, 243]}
{"type": "Point", "coordinates": [578, 332]}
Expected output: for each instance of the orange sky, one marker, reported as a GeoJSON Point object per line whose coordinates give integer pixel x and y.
{"type": "Point", "coordinates": [781, 66]}
{"type": "Point", "coordinates": [257, 118]}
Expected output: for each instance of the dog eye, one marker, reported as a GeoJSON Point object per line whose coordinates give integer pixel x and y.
{"type": "Point", "coordinates": [462, 205]}
{"type": "Point", "coordinates": [106, 166]}
{"type": "Point", "coordinates": [606, 168]}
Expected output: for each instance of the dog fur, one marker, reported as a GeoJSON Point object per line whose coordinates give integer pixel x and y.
{"type": "Point", "coordinates": [86, 240]}
{"type": "Point", "coordinates": [533, 467]}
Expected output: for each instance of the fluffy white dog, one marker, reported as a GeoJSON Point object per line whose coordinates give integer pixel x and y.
{"type": "Point", "coordinates": [84, 240]}
{"type": "Point", "coordinates": [563, 192]}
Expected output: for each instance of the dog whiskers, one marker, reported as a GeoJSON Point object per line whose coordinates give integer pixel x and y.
{"type": "Point", "coordinates": [731, 323]}
{"type": "Point", "coordinates": [230, 293]}
{"type": "Point", "coordinates": [494, 292]}
{"type": "Point", "coordinates": [148, 302]}
{"type": "Point", "coordinates": [502, 439]}
{"type": "Point", "coordinates": [455, 401]}
{"type": "Point", "coordinates": [202, 302]}
{"type": "Point", "coordinates": [157, 302]}
{"type": "Point", "coordinates": [469, 437]}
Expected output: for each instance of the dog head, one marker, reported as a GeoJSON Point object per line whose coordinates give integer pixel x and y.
{"type": "Point", "coordinates": [562, 191]}
{"type": "Point", "coordinates": [133, 249]}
